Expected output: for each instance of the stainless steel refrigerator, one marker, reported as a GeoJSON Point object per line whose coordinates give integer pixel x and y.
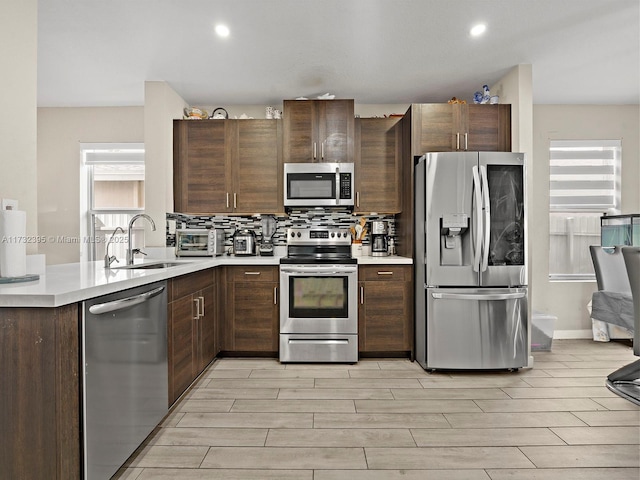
{"type": "Point", "coordinates": [471, 261]}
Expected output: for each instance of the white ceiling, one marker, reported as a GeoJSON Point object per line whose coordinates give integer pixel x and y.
{"type": "Point", "coordinates": [100, 52]}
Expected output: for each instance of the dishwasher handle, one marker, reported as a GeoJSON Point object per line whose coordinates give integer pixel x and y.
{"type": "Point", "coordinates": [123, 303]}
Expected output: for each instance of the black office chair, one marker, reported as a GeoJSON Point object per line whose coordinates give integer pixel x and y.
{"type": "Point", "coordinates": [625, 381]}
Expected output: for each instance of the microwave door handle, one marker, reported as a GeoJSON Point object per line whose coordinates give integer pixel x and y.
{"type": "Point", "coordinates": [477, 215]}
{"type": "Point", "coordinates": [487, 219]}
{"type": "Point", "coordinates": [337, 186]}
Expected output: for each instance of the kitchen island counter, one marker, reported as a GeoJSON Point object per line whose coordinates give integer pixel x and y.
{"type": "Point", "coordinates": [74, 282]}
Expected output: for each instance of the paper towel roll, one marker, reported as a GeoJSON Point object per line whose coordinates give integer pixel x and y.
{"type": "Point", "coordinates": [13, 243]}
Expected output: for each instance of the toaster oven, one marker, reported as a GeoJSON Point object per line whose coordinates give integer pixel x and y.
{"type": "Point", "coordinates": [191, 242]}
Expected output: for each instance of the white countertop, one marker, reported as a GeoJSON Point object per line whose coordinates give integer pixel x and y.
{"type": "Point", "coordinates": [74, 282]}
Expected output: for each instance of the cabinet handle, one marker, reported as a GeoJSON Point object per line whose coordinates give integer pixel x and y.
{"type": "Point", "coordinates": [322, 151]}
{"type": "Point", "coordinates": [197, 300]}
{"type": "Point", "coordinates": [361, 295]}
{"type": "Point", "coordinates": [235, 200]}
{"type": "Point", "coordinates": [466, 143]}
{"type": "Point", "coordinates": [275, 295]}
{"type": "Point", "coordinates": [458, 141]}
{"type": "Point", "coordinates": [202, 298]}
{"type": "Point", "coordinates": [252, 273]}
{"type": "Point", "coordinates": [385, 273]}
{"type": "Point", "coordinates": [315, 150]}
{"type": "Point", "coordinates": [227, 199]}
{"type": "Point", "coordinates": [357, 199]}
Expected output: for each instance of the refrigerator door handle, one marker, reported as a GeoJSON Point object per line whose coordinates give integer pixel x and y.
{"type": "Point", "coordinates": [478, 296]}
{"type": "Point", "coordinates": [487, 219]}
{"type": "Point", "coordinates": [477, 215]}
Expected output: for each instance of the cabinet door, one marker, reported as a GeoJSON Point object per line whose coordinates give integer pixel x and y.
{"type": "Point", "coordinates": [378, 165]}
{"type": "Point", "coordinates": [201, 165]}
{"type": "Point", "coordinates": [256, 165]}
{"type": "Point", "coordinates": [336, 130]}
{"type": "Point", "coordinates": [252, 301]}
{"type": "Point", "coordinates": [436, 127]}
{"type": "Point", "coordinates": [488, 128]}
{"type": "Point", "coordinates": [299, 131]}
{"type": "Point", "coordinates": [182, 349]}
{"type": "Point", "coordinates": [386, 319]}
{"type": "Point", "coordinates": [207, 327]}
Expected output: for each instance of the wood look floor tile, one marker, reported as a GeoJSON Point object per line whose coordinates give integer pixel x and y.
{"type": "Point", "coordinates": [247, 420]}
{"type": "Point", "coordinates": [360, 420]}
{"type": "Point", "coordinates": [413, 406]}
{"type": "Point", "coordinates": [610, 418]}
{"type": "Point", "coordinates": [548, 365]}
{"type": "Point", "coordinates": [169, 457]}
{"type": "Point", "coordinates": [488, 437]}
{"type": "Point", "coordinates": [336, 394]}
{"type": "Point", "coordinates": [340, 437]}
{"type": "Point", "coordinates": [596, 364]}
{"type": "Point", "coordinates": [367, 383]}
{"type": "Point", "coordinates": [400, 475]}
{"type": "Point", "coordinates": [210, 436]}
{"type": "Point", "coordinates": [225, 383]}
{"type": "Point", "coordinates": [539, 405]}
{"type": "Point", "coordinates": [127, 474]}
{"type": "Point", "coordinates": [285, 458]}
{"type": "Point", "coordinates": [368, 364]}
{"type": "Point", "coordinates": [299, 373]}
{"type": "Point", "coordinates": [294, 406]}
{"type": "Point", "coordinates": [600, 373]}
{"type": "Point", "coordinates": [566, 474]}
{"type": "Point", "coordinates": [223, 474]}
{"type": "Point", "coordinates": [448, 393]}
{"type": "Point", "coordinates": [551, 382]}
{"type": "Point", "coordinates": [473, 382]}
{"type": "Point", "coordinates": [251, 363]}
{"type": "Point", "coordinates": [389, 373]}
{"type": "Point", "coordinates": [399, 364]}
{"type": "Point", "coordinates": [517, 419]}
{"type": "Point", "coordinates": [172, 419]}
{"type": "Point", "coordinates": [230, 373]}
{"type": "Point", "coordinates": [560, 392]}
{"type": "Point", "coordinates": [446, 458]}
{"type": "Point", "coordinates": [211, 393]}
{"type": "Point", "coordinates": [616, 403]}
{"type": "Point", "coordinates": [583, 456]}
{"type": "Point", "coordinates": [598, 435]}
{"type": "Point", "coordinates": [208, 405]}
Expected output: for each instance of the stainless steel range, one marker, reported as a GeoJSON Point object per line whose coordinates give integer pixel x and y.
{"type": "Point", "coordinates": [319, 297]}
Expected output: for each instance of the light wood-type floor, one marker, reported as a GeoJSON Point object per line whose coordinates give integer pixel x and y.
{"type": "Point", "coordinates": [387, 419]}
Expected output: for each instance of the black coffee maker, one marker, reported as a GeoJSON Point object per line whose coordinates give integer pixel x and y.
{"type": "Point", "coordinates": [379, 239]}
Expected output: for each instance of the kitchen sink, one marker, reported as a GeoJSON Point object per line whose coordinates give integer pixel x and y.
{"type": "Point", "coordinates": [148, 266]}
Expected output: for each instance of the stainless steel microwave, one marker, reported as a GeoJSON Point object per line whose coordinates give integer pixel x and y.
{"type": "Point", "coordinates": [318, 185]}
{"type": "Point", "coordinates": [194, 242]}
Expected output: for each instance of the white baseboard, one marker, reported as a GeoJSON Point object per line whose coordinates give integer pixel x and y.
{"type": "Point", "coordinates": [569, 334]}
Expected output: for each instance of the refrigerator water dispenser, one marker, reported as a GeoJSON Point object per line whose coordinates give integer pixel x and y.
{"type": "Point", "coordinates": [453, 226]}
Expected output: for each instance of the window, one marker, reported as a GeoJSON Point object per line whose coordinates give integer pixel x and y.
{"type": "Point", "coordinates": [112, 192]}
{"type": "Point", "coordinates": [584, 184]}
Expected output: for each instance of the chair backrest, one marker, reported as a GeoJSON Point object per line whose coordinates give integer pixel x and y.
{"type": "Point", "coordinates": [611, 273]}
{"type": "Point", "coordinates": [632, 261]}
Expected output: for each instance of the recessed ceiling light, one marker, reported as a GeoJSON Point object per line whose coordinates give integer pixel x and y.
{"type": "Point", "coordinates": [478, 30]}
{"type": "Point", "coordinates": [222, 30]}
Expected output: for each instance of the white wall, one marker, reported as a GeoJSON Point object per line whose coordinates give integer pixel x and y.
{"type": "Point", "coordinates": [568, 300]}
{"type": "Point", "coordinates": [18, 113]}
{"type": "Point", "coordinates": [60, 132]}
{"type": "Point", "coordinates": [161, 105]}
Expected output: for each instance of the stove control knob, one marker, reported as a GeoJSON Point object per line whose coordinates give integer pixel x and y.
{"type": "Point", "coordinates": [299, 234]}
{"type": "Point", "coordinates": [293, 234]}
{"type": "Point", "coordinates": [344, 234]}
{"type": "Point", "coordinates": [333, 234]}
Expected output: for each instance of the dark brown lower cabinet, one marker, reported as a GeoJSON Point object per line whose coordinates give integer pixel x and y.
{"type": "Point", "coordinates": [191, 329]}
{"type": "Point", "coordinates": [251, 322]}
{"type": "Point", "coordinates": [40, 393]}
{"type": "Point", "coordinates": [385, 315]}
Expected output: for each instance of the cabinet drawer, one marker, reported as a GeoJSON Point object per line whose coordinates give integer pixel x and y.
{"type": "Point", "coordinates": [252, 274]}
{"type": "Point", "coordinates": [385, 273]}
{"type": "Point", "coordinates": [187, 284]}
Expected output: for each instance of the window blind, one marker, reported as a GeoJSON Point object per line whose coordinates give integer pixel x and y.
{"type": "Point", "coordinates": [584, 175]}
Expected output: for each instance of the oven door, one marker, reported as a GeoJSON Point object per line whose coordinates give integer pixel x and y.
{"type": "Point", "coordinates": [319, 299]}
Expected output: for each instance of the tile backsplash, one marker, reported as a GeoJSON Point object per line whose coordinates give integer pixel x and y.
{"type": "Point", "coordinates": [303, 218]}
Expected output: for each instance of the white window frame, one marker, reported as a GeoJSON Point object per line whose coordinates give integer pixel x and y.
{"type": "Point", "coordinates": [591, 186]}
{"type": "Point", "coordinates": [94, 154]}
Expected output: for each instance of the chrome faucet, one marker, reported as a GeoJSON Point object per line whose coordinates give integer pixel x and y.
{"type": "Point", "coordinates": [131, 252]}
{"type": "Point", "coordinates": [108, 260]}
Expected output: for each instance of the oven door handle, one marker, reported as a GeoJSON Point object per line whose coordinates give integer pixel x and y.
{"type": "Point", "coordinates": [318, 341]}
{"type": "Point", "coordinates": [315, 273]}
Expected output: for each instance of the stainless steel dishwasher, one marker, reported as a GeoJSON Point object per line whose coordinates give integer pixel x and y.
{"type": "Point", "coordinates": [125, 392]}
